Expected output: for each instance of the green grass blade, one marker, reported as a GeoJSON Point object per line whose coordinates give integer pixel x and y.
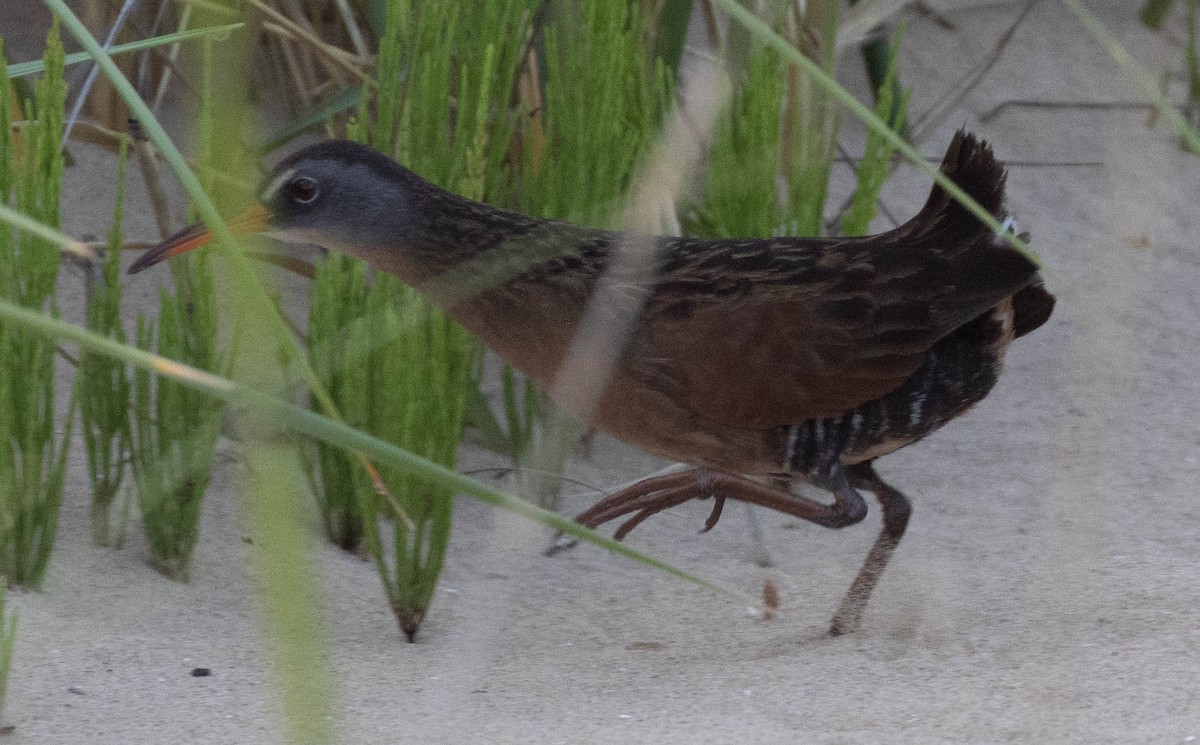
{"type": "Point", "coordinates": [255, 302]}
{"type": "Point", "coordinates": [218, 33]}
{"type": "Point", "coordinates": [346, 99]}
{"type": "Point", "coordinates": [8, 637]}
{"type": "Point", "coordinates": [875, 166]}
{"type": "Point", "coordinates": [672, 27]}
{"type": "Point", "coordinates": [1140, 75]}
{"type": "Point", "coordinates": [1154, 12]}
{"type": "Point", "coordinates": [292, 618]}
{"type": "Point", "coordinates": [102, 387]}
{"type": "Point", "coordinates": [336, 433]}
{"type": "Point", "coordinates": [31, 468]}
{"type": "Point", "coordinates": [66, 244]}
{"type": "Point", "coordinates": [763, 31]}
{"type": "Point", "coordinates": [245, 278]}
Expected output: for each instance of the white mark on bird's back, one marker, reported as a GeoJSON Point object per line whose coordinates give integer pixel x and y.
{"type": "Point", "coordinates": [915, 409]}
{"type": "Point", "coordinates": [790, 452]}
{"type": "Point", "coordinates": [1008, 226]}
{"type": "Point", "coordinates": [1003, 314]}
{"type": "Point", "coordinates": [855, 427]}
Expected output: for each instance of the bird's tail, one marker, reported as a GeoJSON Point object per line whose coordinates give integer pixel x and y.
{"type": "Point", "coordinates": [966, 266]}
{"type": "Point", "coordinates": [970, 163]}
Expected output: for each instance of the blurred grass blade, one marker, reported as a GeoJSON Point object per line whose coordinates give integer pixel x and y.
{"type": "Point", "coordinates": [604, 100]}
{"type": "Point", "coordinates": [33, 67]}
{"type": "Point", "coordinates": [1154, 12]}
{"type": "Point", "coordinates": [1140, 75]}
{"type": "Point", "coordinates": [762, 30]}
{"type": "Point", "coordinates": [346, 99]}
{"type": "Point", "coordinates": [875, 166]}
{"type": "Point", "coordinates": [336, 433]}
{"type": "Point", "coordinates": [8, 637]}
{"type": "Point", "coordinates": [102, 386]}
{"type": "Point", "coordinates": [671, 28]}
{"type": "Point", "coordinates": [65, 243]}
{"type": "Point", "coordinates": [254, 301]}
{"type": "Point", "coordinates": [245, 282]}
{"type": "Point", "coordinates": [864, 17]}
{"type": "Point", "coordinates": [1192, 55]}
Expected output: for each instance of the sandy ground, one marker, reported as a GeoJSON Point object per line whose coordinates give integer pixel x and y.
{"type": "Point", "coordinates": [1046, 591]}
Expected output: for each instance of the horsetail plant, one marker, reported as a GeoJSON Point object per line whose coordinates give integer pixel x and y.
{"type": "Point", "coordinates": [811, 118]}
{"type": "Point", "coordinates": [175, 431]}
{"type": "Point", "coordinates": [31, 467]}
{"type": "Point", "coordinates": [741, 189]}
{"type": "Point", "coordinates": [603, 100]}
{"type": "Point", "coordinates": [875, 166]}
{"type": "Point", "coordinates": [336, 299]}
{"type": "Point", "coordinates": [422, 358]}
{"type": "Point", "coordinates": [396, 366]}
{"type": "Point", "coordinates": [754, 187]}
{"type": "Point", "coordinates": [260, 404]}
{"type": "Point", "coordinates": [103, 389]}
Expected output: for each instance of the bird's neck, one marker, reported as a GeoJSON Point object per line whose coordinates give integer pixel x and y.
{"type": "Point", "coordinates": [453, 249]}
{"type": "Point", "coordinates": [518, 283]}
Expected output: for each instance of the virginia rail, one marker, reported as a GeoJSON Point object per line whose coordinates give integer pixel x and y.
{"type": "Point", "coordinates": [760, 361]}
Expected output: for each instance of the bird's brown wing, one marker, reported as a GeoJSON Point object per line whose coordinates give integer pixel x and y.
{"type": "Point", "coordinates": [757, 334]}
{"type": "Point", "coordinates": [770, 365]}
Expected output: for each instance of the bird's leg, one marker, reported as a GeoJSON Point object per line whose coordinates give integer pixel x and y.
{"type": "Point", "coordinates": [654, 495]}
{"type": "Point", "coordinates": [643, 499]}
{"type": "Point", "coordinates": [635, 497]}
{"type": "Point", "coordinates": [714, 517]}
{"type": "Point", "coordinates": [848, 506]}
{"type": "Point", "coordinates": [896, 510]}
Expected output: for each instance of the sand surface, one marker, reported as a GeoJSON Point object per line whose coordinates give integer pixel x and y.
{"type": "Point", "coordinates": [1046, 591]}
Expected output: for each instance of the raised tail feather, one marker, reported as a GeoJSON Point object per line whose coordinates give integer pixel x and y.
{"type": "Point", "coordinates": [972, 268]}
{"type": "Point", "coordinates": [970, 162]}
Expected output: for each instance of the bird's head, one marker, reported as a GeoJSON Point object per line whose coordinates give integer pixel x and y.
{"type": "Point", "coordinates": [338, 195]}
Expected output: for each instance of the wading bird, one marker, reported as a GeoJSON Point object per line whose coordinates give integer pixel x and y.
{"type": "Point", "coordinates": [758, 361]}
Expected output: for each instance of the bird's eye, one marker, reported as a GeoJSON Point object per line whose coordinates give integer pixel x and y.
{"type": "Point", "coordinates": [303, 190]}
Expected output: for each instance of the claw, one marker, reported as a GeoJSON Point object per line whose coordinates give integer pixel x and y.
{"type": "Point", "coordinates": [715, 516]}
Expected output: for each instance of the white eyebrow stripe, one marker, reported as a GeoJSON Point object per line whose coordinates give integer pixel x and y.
{"type": "Point", "coordinates": [277, 184]}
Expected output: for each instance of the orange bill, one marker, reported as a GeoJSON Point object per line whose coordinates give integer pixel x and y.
{"type": "Point", "coordinates": [253, 220]}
